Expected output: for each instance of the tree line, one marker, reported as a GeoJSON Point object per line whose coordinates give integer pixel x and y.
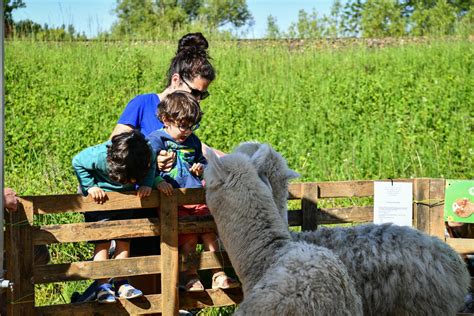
{"type": "Point", "coordinates": [167, 19]}
{"type": "Point", "coordinates": [381, 18]}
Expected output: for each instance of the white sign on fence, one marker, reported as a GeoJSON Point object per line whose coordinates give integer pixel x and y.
{"type": "Point", "coordinates": [393, 203]}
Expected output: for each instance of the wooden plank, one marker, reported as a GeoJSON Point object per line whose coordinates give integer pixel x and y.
{"type": "Point", "coordinates": [97, 269]}
{"type": "Point", "coordinates": [421, 209]}
{"type": "Point", "coordinates": [309, 207]}
{"type": "Point", "coordinates": [97, 231]}
{"type": "Point", "coordinates": [147, 304]}
{"type": "Point", "coordinates": [169, 254]}
{"type": "Point", "coordinates": [436, 201]}
{"type": "Point", "coordinates": [50, 204]}
{"type": "Point", "coordinates": [295, 218]}
{"type": "Point", "coordinates": [338, 215]}
{"type": "Point", "coordinates": [461, 245]}
{"type": "Point", "coordinates": [346, 189]}
{"type": "Point", "coordinates": [145, 227]}
{"type": "Point", "coordinates": [213, 260]}
{"type": "Point", "coordinates": [354, 214]}
{"type": "Point", "coordinates": [295, 191]}
{"type": "Point", "coordinates": [342, 189]}
{"type": "Point", "coordinates": [120, 267]}
{"type": "Point", "coordinates": [21, 301]}
{"type": "Point", "coordinates": [210, 298]}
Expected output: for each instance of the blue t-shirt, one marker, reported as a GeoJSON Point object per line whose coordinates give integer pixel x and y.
{"type": "Point", "coordinates": [140, 113]}
{"type": "Point", "coordinates": [187, 153]}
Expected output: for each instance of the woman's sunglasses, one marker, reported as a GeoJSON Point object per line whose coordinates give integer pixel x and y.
{"type": "Point", "coordinates": [201, 95]}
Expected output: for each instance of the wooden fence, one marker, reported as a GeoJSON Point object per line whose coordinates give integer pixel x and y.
{"type": "Point", "coordinates": [22, 236]}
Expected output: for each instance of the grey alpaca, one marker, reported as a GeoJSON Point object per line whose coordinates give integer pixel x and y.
{"type": "Point", "coordinates": [279, 276]}
{"type": "Point", "coordinates": [397, 270]}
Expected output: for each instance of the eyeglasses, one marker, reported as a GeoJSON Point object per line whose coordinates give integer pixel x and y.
{"type": "Point", "coordinates": [191, 128]}
{"type": "Point", "coordinates": [201, 95]}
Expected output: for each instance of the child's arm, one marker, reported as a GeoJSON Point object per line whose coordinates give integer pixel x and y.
{"type": "Point", "coordinates": [146, 186]}
{"type": "Point", "coordinates": [163, 186]}
{"type": "Point", "coordinates": [84, 163]}
{"type": "Point", "coordinates": [98, 195]}
{"type": "Point", "coordinates": [197, 169]}
{"type": "Point", "coordinates": [200, 161]}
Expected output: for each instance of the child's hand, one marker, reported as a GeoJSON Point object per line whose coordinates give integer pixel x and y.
{"type": "Point", "coordinates": [197, 169]}
{"type": "Point", "coordinates": [165, 187]}
{"type": "Point", "coordinates": [98, 195]}
{"type": "Point", "coordinates": [10, 201]}
{"type": "Point", "coordinates": [165, 160]}
{"type": "Point", "coordinates": [144, 191]}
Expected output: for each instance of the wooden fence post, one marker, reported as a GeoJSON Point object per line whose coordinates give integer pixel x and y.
{"type": "Point", "coordinates": [20, 261]}
{"type": "Point", "coordinates": [309, 206]}
{"type": "Point", "coordinates": [437, 189]}
{"type": "Point", "coordinates": [421, 209]}
{"type": "Point", "coordinates": [169, 254]}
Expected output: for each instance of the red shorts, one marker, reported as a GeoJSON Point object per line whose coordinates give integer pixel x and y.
{"type": "Point", "coordinates": [190, 210]}
{"type": "Point", "coordinates": [193, 210]}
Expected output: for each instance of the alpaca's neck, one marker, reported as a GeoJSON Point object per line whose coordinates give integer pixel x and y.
{"type": "Point", "coordinates": [280, 196]}
{"type": "Point", "coordinates": [252, 235]}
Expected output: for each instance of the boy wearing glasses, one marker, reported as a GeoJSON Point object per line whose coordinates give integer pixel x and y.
{"type": "Point", "coordinates": [180, 114]}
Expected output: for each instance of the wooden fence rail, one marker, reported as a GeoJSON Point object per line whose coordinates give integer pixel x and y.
{"type": "Point", "coordinates": [23, 235]}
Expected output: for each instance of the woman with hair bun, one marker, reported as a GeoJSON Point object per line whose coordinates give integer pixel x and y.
{"type": "Point", "coordinates": [190, 70]}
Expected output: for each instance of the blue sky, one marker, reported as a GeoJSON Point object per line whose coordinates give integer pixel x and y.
{"type": "Point", "coordinates": [93, 16]}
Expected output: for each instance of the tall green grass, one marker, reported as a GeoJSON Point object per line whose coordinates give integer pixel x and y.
{"type": "Point", "coordinates": [334, 113]}
{"type": "Point", "coordinates": [353, 113]}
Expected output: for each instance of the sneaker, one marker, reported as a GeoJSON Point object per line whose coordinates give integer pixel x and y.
{"type": "Point", "coordinates": [105, 294]}
{"type": "Point", "coordinates": [127, 291]}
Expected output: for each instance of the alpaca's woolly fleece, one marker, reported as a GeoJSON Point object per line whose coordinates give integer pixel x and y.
{"type": "Point", "coordinates": [289, 286]}
{"type": "Point", "coordinates": [285, 277]}
{"type": "Point", "coordinates": [396, 270]}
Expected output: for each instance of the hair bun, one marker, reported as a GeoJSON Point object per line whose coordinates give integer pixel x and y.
{"type": "Point", "coordinates": [194, 41]}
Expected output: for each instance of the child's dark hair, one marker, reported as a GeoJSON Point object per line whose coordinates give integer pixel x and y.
{"type": "Point", "coordinates": [191, 59]}
{"type": "Point", "coordinates": [180, 107]}
{"type": "Point", "coordinates": [128, 157]}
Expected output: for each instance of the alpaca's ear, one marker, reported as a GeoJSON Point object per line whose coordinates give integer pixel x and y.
{"type": "Point", "coordinates": [265, 180]}
{"type": "Point", "coordinates": [291, 174]}
{"type": "Point", "coordinates": [261, 156]}
{"type": "Point", "coordinates": [214, 160]}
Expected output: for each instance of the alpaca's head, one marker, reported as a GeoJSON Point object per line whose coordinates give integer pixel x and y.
{"type": "Point", "coordinates": [234, 178]}
{"type": "Point", "coordinates": [272, 169]}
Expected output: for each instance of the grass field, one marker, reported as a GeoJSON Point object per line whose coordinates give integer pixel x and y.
{"type": "Point", "coordinates": [342, 113]}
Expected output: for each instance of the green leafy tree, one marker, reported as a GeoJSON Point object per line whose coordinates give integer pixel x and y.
{"type": "Point", "coordinates": [218, 13]}
{"type": "Point", "coordinates": [273, 31]}
{"type": "Point", "coordinates": [439, 19]}
{"type": "Point", "coordinates": [461, 7]}
{"type": "Point", "coordinates": [333, 26]}
{"type": "Point", "coordinates": [135, 17]}
{"type": "Point", "coordinates": [8, 7]}
{"type": "Point", "coordinates": [308, 26]}
{"type": "Point", "coordinates": [465, 25]}
{"type": "Point", "coordinates": [351, 17]}
{"type": "Point", "coordinates": [163, 18]}
{"type": "Point", "coordinates": [382, 18]}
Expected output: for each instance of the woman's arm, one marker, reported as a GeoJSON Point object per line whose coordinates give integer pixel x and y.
{"type": "Point", "coordinates": [119, 129]}
{"type": "Point", "coordinates": [205, 148]}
